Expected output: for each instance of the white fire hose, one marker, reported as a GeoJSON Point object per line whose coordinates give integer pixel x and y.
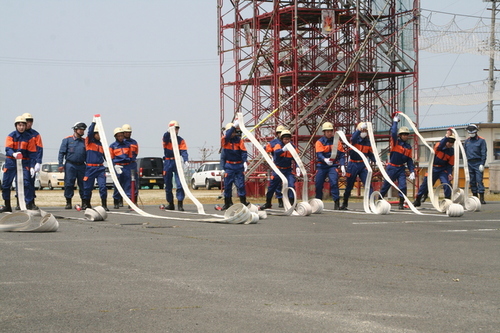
{"type": "Point", "coordinates": [289, 208]}
{"type": "Point", "coordinates": [445, 205]}
{"type": "Point", "coordinates": [316, 205]}
{"type": "Point", "coordinates": [24, 220]}
{"type": "Point", "coordinates": [237, 214]}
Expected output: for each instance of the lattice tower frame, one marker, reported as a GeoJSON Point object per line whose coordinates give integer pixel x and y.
{"type": "Point", "coordinates": [301, 63]}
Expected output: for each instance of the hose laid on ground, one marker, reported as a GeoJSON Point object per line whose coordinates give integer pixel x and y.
{"type": "Point", "coordinates": [24, 220]}
{"type": "Point", "coordinates": [289, 208]}
{"type": "Point", "coordinates": [239, 214]}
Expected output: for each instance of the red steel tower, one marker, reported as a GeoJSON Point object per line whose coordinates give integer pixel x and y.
{"type": "Point", "coordinates": [300, 63]}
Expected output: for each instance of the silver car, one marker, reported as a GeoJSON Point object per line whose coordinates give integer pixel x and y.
{"type": "Point", "coordinates": [208, 175]}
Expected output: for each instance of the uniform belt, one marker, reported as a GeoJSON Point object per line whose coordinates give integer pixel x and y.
{"type": "Point", "coordinates": [283, 168]}
{"type": "Point", "coordinates": [94, 165]}
{"type": "Point", "coordinates": [169, 158]}
{"type": "Point", "coordinates": [437, 165]}
{"type": "Point", "coordinates": [76, 163]}
{"type": "Point", "coordinates": [474, 160]}
{"type": "Point", "coordinates": [356, 161]}
{"type": "Point", "coordinates": [231, 162]}
{"type": "Point", "coordinates": [395, 165]}
{"type": "Point", "coordinates": [122, 163]}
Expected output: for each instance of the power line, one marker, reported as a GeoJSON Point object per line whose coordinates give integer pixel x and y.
{"type": "Point", "coordinates": [100, 63]}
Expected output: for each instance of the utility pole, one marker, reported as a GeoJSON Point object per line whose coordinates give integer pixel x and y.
{"type": "Point", "coordinates": [493, 46]}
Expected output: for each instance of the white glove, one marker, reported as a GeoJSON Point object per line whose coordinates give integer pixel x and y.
{"type": "Point", "coordinates": [16, 154]}
{"type": "Point", "coordinates": [245, 167]}
{"type": "Point", "coordinates": [284, 148]}
{"type": "Point", "coordinates": [118, 169]}
{"type": "Point", "coordinates": [328, 162]}
{"type": "Point", "coordinates": [363, 126]}
{"type": "Point", "coordinates": [297, 171]}
{"type": "Point", "coordinates": [186, 164]}
{"type": "Point", "coordinates": [396, 118]}
{"type": "Point", "coordinates": [236, 123]}
{"type": "Point", "coordinates": [32, 172]}
{"type": "Point", "coordinates": [342, 169]}
{"type": "Point", "coordinates": [37, 167]}
{"type": "Point", "coordinates": [481, 168]}
{"type": "Point", "coordinates": [411, 176]}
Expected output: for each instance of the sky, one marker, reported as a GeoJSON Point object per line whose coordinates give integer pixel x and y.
{"type": "Point", "coordinates": [145, 63]}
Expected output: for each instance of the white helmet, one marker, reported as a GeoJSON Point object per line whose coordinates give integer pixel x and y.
{"type": "Point", "coordinates": [328, 126]}
{"type": "Point", "coordinates": [127, 128]}
{"type": "Point", "coordinates": [28, 116]}
{"type": "Point", "coordinates": [280, 128]}
{"type": "Point", "coordinates": [20, 119]}
{"type": "Point", "coordinates": [117, 130]}
{"type": "Point", "coordinates": [173, 123]}
{"type": "Point", "coordinates": [285, 132]}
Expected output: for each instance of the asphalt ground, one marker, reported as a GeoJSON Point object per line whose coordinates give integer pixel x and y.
{"type": "Point", "coordinates": [330, 272]}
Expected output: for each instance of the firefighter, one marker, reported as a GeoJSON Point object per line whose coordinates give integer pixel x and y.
{"type": "Point", "coordinates": [121, 155]}
{"type": "Point", "coordinates": [400, 158]}
{"type": "Point", "coordinates": [95, 169]}
{"type": "Point", "coordinates": [356, 166]}
{"type": "Point", "coordinates": [442, 167]}
{"type": "Point", "coordinates": [39, 153]}
{"type": "Point", "coordinates": [476, 150]}
{"type": "Point", "coordinates": [328, 167]}
{"type": "Point", "coordinates": [170, 168]}
{"type": "Point", "coordinates": [235, 154]}
{"type": "Point", "coordinates": [283, 160]}
{"type": "Point", "coordinates": [270, 150]}
{"type": "Point", "coordinates": [127, 132]}
{"type": "Point", "coordinates": [19, 145]}
{"type": "Point", "coordinates": [73, 150]}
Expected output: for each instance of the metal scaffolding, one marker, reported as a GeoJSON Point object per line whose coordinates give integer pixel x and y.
{"type": "Point", "coordinates": [300, 63]}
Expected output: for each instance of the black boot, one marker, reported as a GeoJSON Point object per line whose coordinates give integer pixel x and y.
{"type": "Point", "coordinates": [29, 206]}
{"type": "Point", "coordinates": [104, 204]}
{"type": "Point", "coordinates": [116, 203]}
{"type": "Point", "coordinates": [268, 204]}
{"type": "Point", "coordinates": [481, 198]}
{"type": "Point", "coordinates": [417, 202]}
{"type": "Point", "coordinates": [86, 204]}
{"type": "Point", "coordinates": [337, 204]}
{"type": "Point", "coordinates": [68, 203]}
{"type": "Point", "coordinates": [121, 202]}
{"type": "Point", "coordinates": [474, 194]}
{"type": "Point", "coordinates": [344, 204]}
{"type": "Point", "coordinates": [243, 200]}
{"type": "Point", "coordinates": [227, 203]}
{"type": "Point", "coordinates": [17, 204]}
{"type": "Point", "coordinates": [170, 206]}
{"type": "Point", "coordinates": [6, 207]}
{"type": "Point", "coordinates": [280, 203]}
{"type": "Point", "coordinates": [33, 205]}
{"type": "Point", "coordinates": [424, 197]}
{"type": "Point", "coordinates": [180, 206]}
{"type": "Point", "coordinates": [401, 203]}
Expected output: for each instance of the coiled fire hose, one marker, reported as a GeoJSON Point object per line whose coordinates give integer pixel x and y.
{"type": "Point", "coordinates": [371, 203]}
{"type": "Point", "coordinates": [289, 208]}
{"type": "Point", "coordinates": [460, 196]}
{"type": "Point", "coordinates": [316, 205]}
{"type": "Point", "coordinates": [381, 167]}
{"type": "Point", "coordinates": [237, 214]}
{"type": "Point", "coordinates": [24, 220]}
{"type": "Point", "coordinates": [445, 205]}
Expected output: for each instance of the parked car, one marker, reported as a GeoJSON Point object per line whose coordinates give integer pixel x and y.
{"type": "Point", "coordinates": [150, 171]}
{"type": "Point", "coordinates": [50, 176]}
{"type": "Point", "coordinates": [208, 175]}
